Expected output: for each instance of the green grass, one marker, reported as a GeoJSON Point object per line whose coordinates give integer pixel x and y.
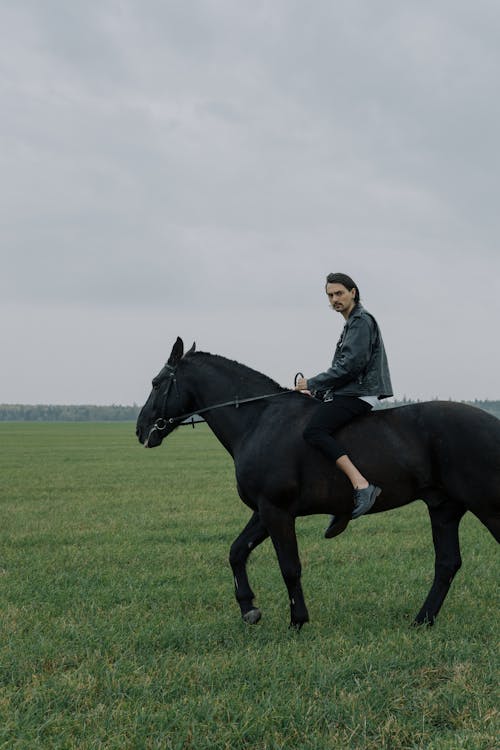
{"type": "Point", "coordinates": [120, 630]}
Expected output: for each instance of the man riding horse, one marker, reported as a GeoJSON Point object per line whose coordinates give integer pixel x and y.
{"type": "Point", "coordinates": [357, 379]}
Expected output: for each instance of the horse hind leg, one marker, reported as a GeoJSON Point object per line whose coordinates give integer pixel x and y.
{"type": "Point", "coordinates": [445, 518]}
{"type": "Point", "coordinates": [252, 535]}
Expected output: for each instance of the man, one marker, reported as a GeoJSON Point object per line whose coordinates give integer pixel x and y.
{"type": "Point", "coordinates": [357, 378]}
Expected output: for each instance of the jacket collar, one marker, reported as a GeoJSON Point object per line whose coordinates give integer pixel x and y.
{"type": "Point", "coordinates": [356, 311]}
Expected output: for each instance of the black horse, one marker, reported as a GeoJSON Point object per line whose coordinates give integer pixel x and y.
{"type": "Point", "coordinates": [445, 453]}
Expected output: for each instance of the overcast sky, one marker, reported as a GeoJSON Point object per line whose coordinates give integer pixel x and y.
{"type": "Point", "coordinates": [197, 168]}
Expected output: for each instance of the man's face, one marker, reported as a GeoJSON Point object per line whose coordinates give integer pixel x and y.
{"type": "Point", "coordinates": [340, 298]}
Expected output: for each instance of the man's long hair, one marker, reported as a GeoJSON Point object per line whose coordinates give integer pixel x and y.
{"type": "Point", "coordinates": [345, 280]}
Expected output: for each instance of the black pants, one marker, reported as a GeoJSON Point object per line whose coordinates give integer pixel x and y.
{"type": "Point", "coordinates": [330, 417]}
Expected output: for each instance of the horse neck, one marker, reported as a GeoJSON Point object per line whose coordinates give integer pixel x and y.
{"type": "Point", "coordinates": [214, 380]}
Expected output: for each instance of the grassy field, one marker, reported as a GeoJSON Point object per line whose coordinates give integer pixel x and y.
{"type": "Point", "coordinates": [119, 628]}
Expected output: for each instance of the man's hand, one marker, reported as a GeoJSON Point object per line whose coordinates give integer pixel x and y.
{"type": "Point", "coordinates": [301, 384]}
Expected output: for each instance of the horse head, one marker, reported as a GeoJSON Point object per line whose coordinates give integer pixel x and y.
{"type": "Point", "coordinates": [166, 402]}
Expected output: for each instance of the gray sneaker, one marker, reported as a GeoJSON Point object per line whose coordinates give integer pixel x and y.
{"type": "Point", "coordinates": [364, 499]}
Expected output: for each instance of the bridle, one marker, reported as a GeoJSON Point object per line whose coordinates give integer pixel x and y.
{"type": "Point", "coordinates": [162, 423]}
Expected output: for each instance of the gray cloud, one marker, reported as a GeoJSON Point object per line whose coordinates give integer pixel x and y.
{"type": "Point", "coordinates": [202, 166]}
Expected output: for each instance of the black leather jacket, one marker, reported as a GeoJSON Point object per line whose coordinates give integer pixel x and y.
{"type": "Point", "coordinates": [359, 366]}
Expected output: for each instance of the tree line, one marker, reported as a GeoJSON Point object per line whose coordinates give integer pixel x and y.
{"type": "Point", "coordinates": [492, 407]}
{"type": "Point", "coordinates": [67, 413]}
{"type": "Point", "coordinates": [118, 413]}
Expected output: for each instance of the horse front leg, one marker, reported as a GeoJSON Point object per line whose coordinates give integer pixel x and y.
{"type": "Point", "coordinates": [252, 535]}
{"type": "Point", "coordinates": [445, 519]}
{"type": "Point", "coordinates": [281, 527]}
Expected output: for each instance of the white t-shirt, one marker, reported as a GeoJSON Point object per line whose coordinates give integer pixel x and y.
{"type": "Point", "coordinates": [372, 400]}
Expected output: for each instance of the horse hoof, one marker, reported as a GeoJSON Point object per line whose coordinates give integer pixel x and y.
{"type": "Point", "coordinates": [336, 527]}
{"type": "Point", "coordinates": [252, 617]}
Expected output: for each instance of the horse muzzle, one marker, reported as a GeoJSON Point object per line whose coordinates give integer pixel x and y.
{"type": "Point", "coordinates": [156, 433]}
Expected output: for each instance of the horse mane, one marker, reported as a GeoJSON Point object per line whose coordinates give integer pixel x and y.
{"type": "Point", "coordinates": [246, 375]}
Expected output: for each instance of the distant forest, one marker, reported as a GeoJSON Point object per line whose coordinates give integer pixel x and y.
{"type": "Point", "coordinates": [76, 413]}
{"type": "Point", "coordinates": [114, 413]}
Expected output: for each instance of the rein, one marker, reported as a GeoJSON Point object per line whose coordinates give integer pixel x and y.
{"type": "Point", "coordinates": [235, 402]}
{"type": "Point", "coordinates": [162, 423]}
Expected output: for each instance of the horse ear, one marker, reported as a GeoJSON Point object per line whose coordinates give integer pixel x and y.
{"type": "Point", "coordinates": [177, 352]}
{"type": "Point", "coordinates": [193, 349]}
